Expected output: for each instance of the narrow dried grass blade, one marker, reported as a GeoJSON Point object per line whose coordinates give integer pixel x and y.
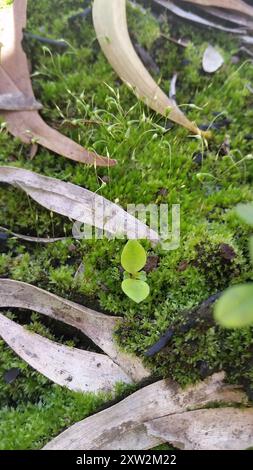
{"type": "Point", "coordinates": [27, 238]}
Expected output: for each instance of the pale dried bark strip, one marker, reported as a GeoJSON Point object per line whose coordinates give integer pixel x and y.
{"type": "Point", "coordinates": [207, 429]}
{"type": "Point", "coordinates": [123, 425]}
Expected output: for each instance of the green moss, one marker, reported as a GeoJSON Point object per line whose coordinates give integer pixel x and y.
{"type": "Point", "coordinates": [155, 164]}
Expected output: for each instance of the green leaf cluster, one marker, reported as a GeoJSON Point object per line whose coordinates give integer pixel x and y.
{"type": "Point", "coordinates": [133, 259]}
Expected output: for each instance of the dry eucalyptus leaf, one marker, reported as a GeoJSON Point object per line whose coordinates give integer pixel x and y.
{"type": "Point", "coordinates": [110, 22]}
{"type": "Point", "coordinates": [212, 60]}
{"type": "Point", "coordinates": [97, 326]}
{"type": "Point", "coordinates": [236, 5]}
{"type": "Point", "coordinates": [15, 78]}
{"type": "Point", "coordinates": [73, 368]}
{"type": "Point", "coordinates": [124, 425]}
{"type": "Point", "coordinates": [237, 18]}
{"type": "Point", "coordinates": [77, 203]}
{"type": "Point", "coordinates": [27, 238]}
{"type": "Point", "coordinates": [196, 18]}
{"type": "Point", "coordinates": [207, 429]}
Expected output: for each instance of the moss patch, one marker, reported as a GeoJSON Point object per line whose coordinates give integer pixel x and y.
{"type": "Point", "coordinates": [157, 163]}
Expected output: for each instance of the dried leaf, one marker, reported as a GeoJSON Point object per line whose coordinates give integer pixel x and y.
{"type": "Point", "coordinates": [27, 238]}
{"type": "Point", "coordinates": [97, 326]}
{"type": "Point", "coordinates": [236, 5]}
{"type": "Point", "coordinates": [196, 18]}
{"type": "Point", "coordinates": [124, 425]}
{"type": "Point", "coordinates": [231, 16]}
{"type": "Point", "coordinates": [70, 367]}
{"type": "Point", "coordinates": [247, 40]}
{"type": "Point", "coordinates": [209, 429]}
{"type": "Point", "coordinates": [77, 203]}
{"type": "Point", "coordinates": [212, 60]}
{"type": "Point", "coordinates": [110, 22]}
{"type": "Point", "coordinates": [14, 78]}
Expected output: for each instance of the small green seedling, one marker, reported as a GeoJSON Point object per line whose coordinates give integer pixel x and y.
{"type": "Point", "coordinates": [235, 307]}
{"type": "Point", "coordinates": [133, 259]}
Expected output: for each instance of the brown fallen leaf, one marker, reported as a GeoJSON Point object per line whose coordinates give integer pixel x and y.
{"type": "Point", "coordinates": [110, 23]}
{"type": "Point", "coordinates": [236, 5]}
{"type": "Point", "coordinates": [208, 429]}
{"type": "Point", "coordinates": [125, 425]}
{"type": "Point", "coordinates": [97, 326]}
{"type": "Point", "coordinates": [28, 125]}
{"type": "Point", "coordinates": [79, 204]}
{"type": "Point", "coordinates": [73, 368]}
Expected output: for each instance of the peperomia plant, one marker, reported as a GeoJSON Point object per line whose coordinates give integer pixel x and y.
{"type": "Point", "coordinates": [235, 307]}
{"type": "Point", "coordinates": [133, 259]}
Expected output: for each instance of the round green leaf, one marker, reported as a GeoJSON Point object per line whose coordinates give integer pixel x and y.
{"type": "Point", "coordinates": [133, 257]}
{"type": "Point", "coordinates": [135, 289]}
{"type": "Point", "coordinates": [235, 308]}
{"type": "Point", "coordinates": [245, 212]}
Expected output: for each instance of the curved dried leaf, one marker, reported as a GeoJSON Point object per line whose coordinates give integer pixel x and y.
{"type": "Point", "coordinates": [14, 78]}
{"type": "Point", "coordinates": [209, 429]}
{"type": "Point", "coordinates": [123, 426]}
{"type": "Point", "coordinates": [97, 326]}
{"type": "Point", "coordinates": [110, 22]}
{"type": "Point", "coordinates": [27, 238]}
{"type": "Point", "coordinates": [236, 5]}
{"type": "Point", "coordinates": [212, 60]}
{"type": "Point", "coordinates": [230, 16]}
{"type": "Point", "coordinates": [70, 367]}
{"type": "Point", "coordinates": [196, 18]}
{"type": "Point", "coordinates": [77, 203]}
